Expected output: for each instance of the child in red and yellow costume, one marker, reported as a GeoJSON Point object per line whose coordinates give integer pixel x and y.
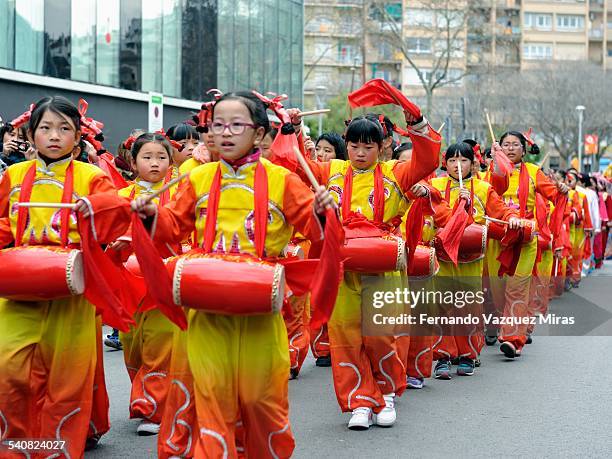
{"type": "Point", "coordinates": [510, 267]}
{"type": "Point", "coordinates": [481, 201]}
{"type": "Point", "coordinates": [367, 370]}
{"type": "Point", "coordinates": [54, 339]}
{"type": "Point", "coordinates": [239, 363]}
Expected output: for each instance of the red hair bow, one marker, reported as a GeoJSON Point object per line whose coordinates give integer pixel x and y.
{"type": "Point", "coordinates": [528, 135]}
{"type": "Point", "coordinates": [129, 142]}
{"type": "Point", "coordinates": [174, 143]}
{"type": "Point", "coordinates": [203, 117]}
{"type": "Point", "coordinates": [23, 118]}
{"type": "Point", "coordinates": [89, 124]}
{"type": "Point", "coordinates": [276, 106]}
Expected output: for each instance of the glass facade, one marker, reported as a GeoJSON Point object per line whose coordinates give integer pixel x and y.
{"type": "Point", "coordinates": [180, 48]}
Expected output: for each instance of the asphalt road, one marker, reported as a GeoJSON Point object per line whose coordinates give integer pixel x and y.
{"type": "Point", "coordinates": [555, 400]}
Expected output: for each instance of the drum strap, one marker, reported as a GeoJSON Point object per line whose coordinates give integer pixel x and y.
{"type": "Point", "coordinates": [260, 210]}
{"type": "Point", "coordinates": [379, 194]}
{"type": "Point", "coordinates": [26, 193]}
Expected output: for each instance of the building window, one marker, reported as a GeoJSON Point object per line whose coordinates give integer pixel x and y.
{"type": "Point", "coordinates": [570, 22]}
{"type": "Point", "coordinates": [456, 47]}
{"type": "Point", "coordinates": [57, 38]}
{"type": "Point", "coordinates": [83, 40]}
{"type": "Point", "coordinates": [419, 45]}
{"type": "Point", "coordinates": [7, 33]}
{"type": "Point", "coordinates": [107, 42]}
{"type": "Point", "coordinates": [538, 21]}
{"type": "Point", "coordinates": [29, 35]}
{"type": "Point", "coordinates": [130, 72]}
{"type": "Point", "coordinates": [415, 17]}
{"type": "Point", "coordinates": [537, 51]}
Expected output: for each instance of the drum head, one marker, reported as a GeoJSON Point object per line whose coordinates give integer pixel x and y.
{"type": "Point", "coordinates": [75, 277]}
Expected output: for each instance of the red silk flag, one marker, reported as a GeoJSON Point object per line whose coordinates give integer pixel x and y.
{"type": "Point", "coordinates": [107, 164]}
{"type": "Point", "coordinates": [105, 282]}
{"type": "Point", "coordinates": [282, 150]}
{"type": "Point", "coordinates": [379, 92]}
{"type": "Point", "coordinates": [158, 281]}
{"type": "Point", "coordinates": [329, 274]}
{"type": "Point", "coordinates": [451, 234]}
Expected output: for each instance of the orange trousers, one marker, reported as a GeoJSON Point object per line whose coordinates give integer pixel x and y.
{"type": "Point", "coordinates": [100, 422]}
{"type": "Point", "coordinates": [540, 288]}
{"type": "Point", "coordinates": [578, 241]}
{"type": "Point", "coordinates": [512, 292]}
{"type": "Point", "coordinates": [297, 331]}
{"type": "Point", "coordinates": [319, 341]}
{"type": "Point", "coordinates": [47, 368]}
{"type": "Point", "coordinates": [150, 384]}
{"type": "Point", "coordinates": [178, 428]}
{"type": "Point", "coordinates": [240, 367]}
{"type": "Point", "coordinates": [415, 352]}
{"type": "Point", "coordinates": [461, 278]}
{"type": "Point", "coordinates": [364, 368]}
{"type": "Point", "coordinates": [131, 342]}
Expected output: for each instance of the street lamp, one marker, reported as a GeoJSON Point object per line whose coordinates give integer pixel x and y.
{"type": "Point", "coordinates": [580, 109]}
{"type": "Point", "coordinates": [320, 92]}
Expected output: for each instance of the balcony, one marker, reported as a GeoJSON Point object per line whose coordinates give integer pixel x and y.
{"type": "Point", "coordinates": [509, 4]}
{"type": "Point", "coordinates": [336, 4]}
{"type": "Point", "coordinates": [596, 33]}
{"type": "Point", "coordinates": [596, 6]}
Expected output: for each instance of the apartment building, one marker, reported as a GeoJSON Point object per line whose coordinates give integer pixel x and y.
{"type": "Point", "coordinates": [343, 46]}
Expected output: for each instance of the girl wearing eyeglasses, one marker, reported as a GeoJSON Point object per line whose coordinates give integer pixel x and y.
{"type": "Point", "coordinates": [240, 363]}
{"type": "Point", "coordinates": [511, 292]}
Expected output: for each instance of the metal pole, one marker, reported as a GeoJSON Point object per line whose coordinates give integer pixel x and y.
{"type": "Point", "coordinates": [580, 109]}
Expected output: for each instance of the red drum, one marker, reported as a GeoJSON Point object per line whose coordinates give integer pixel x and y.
{"type": "Point", "coordinates": [472, 247]}
{"type": "Point", "coordinates": [41, 273]}
{"type": "Point", "coordinates": [374, 254]}
{"type": "Point", "coordinates": [424, 264]}
{"type": "Point", "coordinates": [227, 284]}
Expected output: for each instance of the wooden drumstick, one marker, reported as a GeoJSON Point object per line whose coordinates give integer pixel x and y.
{"type": "Point", "coordinates": [460, 173]}
{"type": "Point", "coordinates": [490, 126]}
{"type": "Point", "coordinates": [48, 205]}
{"type": "Point", "coordinates": [166, 187]}
{"type": "Point", "coordinates": [315, 112]}
{"type": "Point", "coordinates": [496, 220]}
{"type": "Point", "coordinates": [441, 127]}
{"type": "Point", "coordinates": [306, 167]}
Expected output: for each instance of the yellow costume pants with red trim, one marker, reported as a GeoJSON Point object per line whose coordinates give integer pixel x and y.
{"type": "Point", "coordinates": [100, 422]}
{"type": "Point", "coordinates": [177, 434]}
{"type": "Point", "coordinates": [461, 278]}
{"type": "Point", "coordinates": [513, 291]}
{"type": "Point", "coordinates": [47, 367]}
{"type": "Point", "coordinates": [364, 368]}
{"type": "Point", "coordinates": [240, 367]}
{"type": "Point", "coordinates": [150, 384]}
{"type": "Point", "coordinates": [298, 332]}
{"type": "Point", "coordinates": [540, 287]}
{"type": "Point", "coordinates": [131, 342]}
{"type": "Point", "coordinates": [319, 341]}
{"type": "Point", "coordinates": [578, 241]}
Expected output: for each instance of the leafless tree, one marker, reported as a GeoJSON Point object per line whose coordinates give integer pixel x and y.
{"type": "Point", "coordinates": [444, 22]}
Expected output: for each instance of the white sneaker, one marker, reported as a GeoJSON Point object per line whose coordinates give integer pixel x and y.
{"type": "Point", "coordinates": [386, 418]}
{"type": "Point", "coordinates": [146, 428]}
{"type": "Point", "coordinates": [361, 419]}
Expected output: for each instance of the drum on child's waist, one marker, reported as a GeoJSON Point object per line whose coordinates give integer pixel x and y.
{"type": "Point", "coordinates": [374, 254]}
{"type": "Point", "coordinates": [41, 273]}
{"type": "Point", "coordinates": [227, 284]}
{"type": "Point", "coordinates": [472, 247]}
{"type": "Point", "coordinates": [424, 263]}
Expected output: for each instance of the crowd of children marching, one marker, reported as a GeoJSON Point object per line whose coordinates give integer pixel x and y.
{"type": "Point", "coordinates": [223, 249]}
